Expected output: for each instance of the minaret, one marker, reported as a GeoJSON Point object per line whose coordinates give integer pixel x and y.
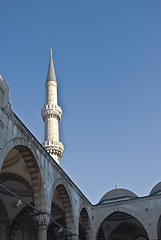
{"type": "Point", "coordinates": [51, 115]}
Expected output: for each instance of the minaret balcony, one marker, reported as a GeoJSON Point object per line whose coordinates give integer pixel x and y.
{"type": "Point", "coordinates": [51, 111]}
{"type": "Point", "coordinates": [54, 147]}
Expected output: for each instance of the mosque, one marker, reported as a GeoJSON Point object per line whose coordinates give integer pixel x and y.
{"type": "Point", "coordinates": [38, 201]}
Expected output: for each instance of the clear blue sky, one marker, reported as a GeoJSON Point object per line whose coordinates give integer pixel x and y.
{"type": "Point", "coordinates": [107, 57]}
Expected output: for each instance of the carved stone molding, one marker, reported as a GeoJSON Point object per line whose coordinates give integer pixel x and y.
{"type": "Point", "coordinates": [51, 111]}
{"type": "Point", "coordinates": [56, 150]}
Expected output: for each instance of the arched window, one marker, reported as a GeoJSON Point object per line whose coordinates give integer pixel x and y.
{"type": "Point", "coordinates": [18, 235]}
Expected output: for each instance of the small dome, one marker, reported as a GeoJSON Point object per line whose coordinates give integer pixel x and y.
{"type": "Point", "coordinates": [118, 193]}
{"type": "Point", "coordinates": [156, 189]}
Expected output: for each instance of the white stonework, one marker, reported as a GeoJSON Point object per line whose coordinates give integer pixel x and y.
{"type": "Point", "coordinates": [51, 114]}
{"type": "Point", "coordinates": [29, 171]}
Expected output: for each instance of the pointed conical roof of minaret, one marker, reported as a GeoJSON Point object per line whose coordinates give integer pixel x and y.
{"type": "Point", "coordinates": [51, 72]}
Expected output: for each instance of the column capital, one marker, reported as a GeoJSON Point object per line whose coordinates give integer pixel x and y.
{"type": "Point", "coordinates": [43, 220]}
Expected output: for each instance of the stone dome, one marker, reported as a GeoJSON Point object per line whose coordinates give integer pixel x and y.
{"type": "Point", "coordinates": [156, 189]}
{"type": "Point", "coordinates": [118, 193]}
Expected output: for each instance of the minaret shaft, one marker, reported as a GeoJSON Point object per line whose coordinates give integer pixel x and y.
{"type": "Point", "coordinates": [51, 114]}
{"type": "Point", "coordinates": [51, 129]}
{"type": "Point", "coordinates": [51, 93]}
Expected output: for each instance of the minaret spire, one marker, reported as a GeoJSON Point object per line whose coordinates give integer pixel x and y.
{"type": "Point", "coordinates": [51, 72]}
{"type": "Point", "coordinates": [51, 114]}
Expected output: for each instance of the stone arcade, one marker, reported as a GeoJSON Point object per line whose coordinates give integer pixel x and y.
{"type": "Point", "coordinates": [50, 205]}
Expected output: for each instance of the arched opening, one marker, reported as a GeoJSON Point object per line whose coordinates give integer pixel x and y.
{"type": "Point", "coordinates": [61, 213]}
{"type": "Point", "coordinates": [20, 174]}
{"type": "Point", "coordinates": [18, 235]}
{"type": "Point", "coordinates": [121, 226]}
{"type": "Point", "coordinates": [84, 226]}
{"type": "Point", "coordinates": [58, 215]}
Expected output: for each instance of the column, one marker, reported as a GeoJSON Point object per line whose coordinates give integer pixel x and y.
{"type": "Point", "coordinates": [43, 221]}
{"type": "Point", "coordinates": [42, 231]}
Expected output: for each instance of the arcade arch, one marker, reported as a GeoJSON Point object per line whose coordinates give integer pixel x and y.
{"type": "Point", "coordinates": [61, 211]}
{"type": "Point", "coordinates": [121, 226]}
{"type": "Point", "coordinates": [21, 175]}
{"type": "Point", "coordinates": [22, 161]}
{"type": "Point", "coordinates": [84, 225]}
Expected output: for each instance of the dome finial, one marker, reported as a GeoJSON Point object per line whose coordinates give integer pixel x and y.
{"type": "Point", "coordinates": [116, 185]}
{"type": "Point", "coordinates": [51, 53]}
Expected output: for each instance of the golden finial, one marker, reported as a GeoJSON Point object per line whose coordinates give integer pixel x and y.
{"type": "Point", "coordinates": [116, 185]}
{"type": "Point", "coordinates": [51, 53]}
